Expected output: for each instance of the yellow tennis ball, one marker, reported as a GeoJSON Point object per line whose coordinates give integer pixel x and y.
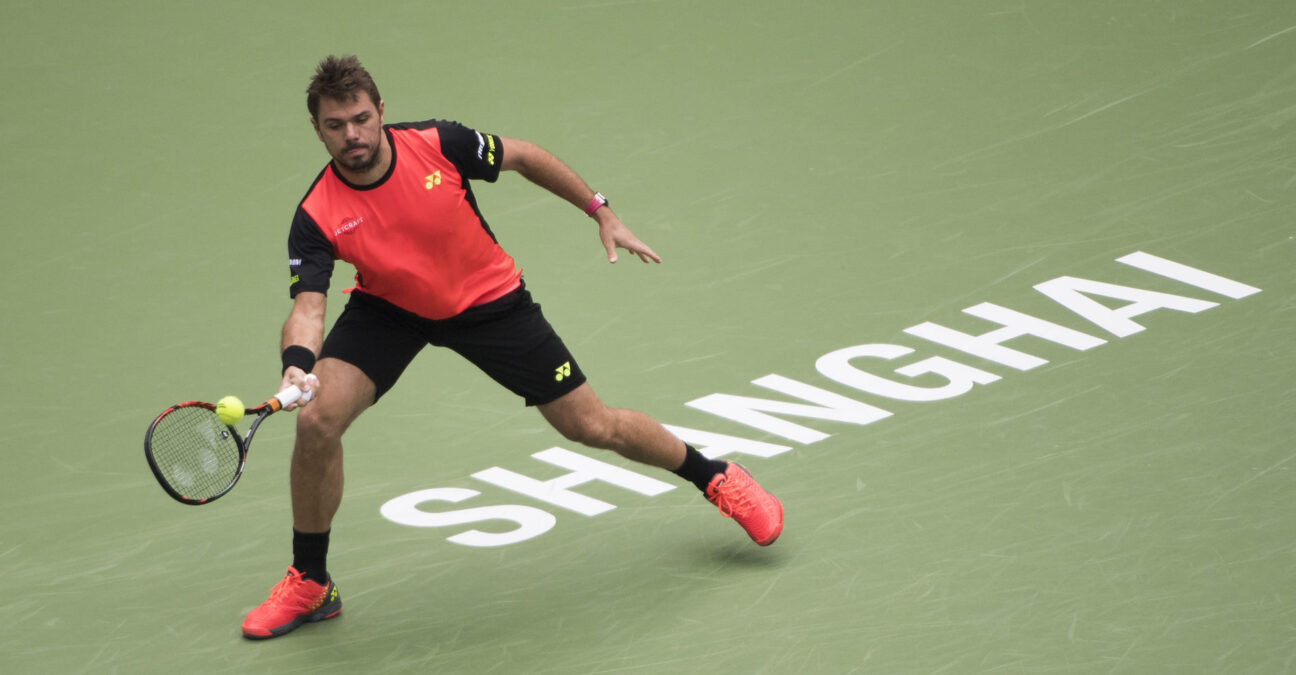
{"type": "Point", "coordinates": [229, 410]}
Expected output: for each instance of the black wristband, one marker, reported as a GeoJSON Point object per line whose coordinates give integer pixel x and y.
{"type": "Point", "coordinates": [297, 355]}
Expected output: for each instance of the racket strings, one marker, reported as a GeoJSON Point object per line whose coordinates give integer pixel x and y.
{"type": "Point", "coordinates": [196, 452]}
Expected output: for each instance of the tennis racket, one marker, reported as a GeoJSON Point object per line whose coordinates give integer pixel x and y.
{"type": "Point", "coordinates": [195, 456]}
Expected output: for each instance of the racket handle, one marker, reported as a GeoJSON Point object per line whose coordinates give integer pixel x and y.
{"type": "Point", "coordinates": [294, 393]}
{"type": "Point", "coordinates": [286, 397]}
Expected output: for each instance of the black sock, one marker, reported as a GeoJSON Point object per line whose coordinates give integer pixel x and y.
{"type": "Point", "coordinates": [699, 470]}
{"type": "Point", "coordinates": [310, 549]}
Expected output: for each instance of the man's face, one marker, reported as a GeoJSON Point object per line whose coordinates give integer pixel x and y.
{"type": "Point", "coordinates": [351, 132]}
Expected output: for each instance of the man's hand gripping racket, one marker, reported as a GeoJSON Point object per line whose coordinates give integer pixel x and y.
{"type": "Point", "coordinates": [195, 456]}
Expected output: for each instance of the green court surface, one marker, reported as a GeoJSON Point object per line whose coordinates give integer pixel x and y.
{"type": "Point", "coordinates": [819, 178]}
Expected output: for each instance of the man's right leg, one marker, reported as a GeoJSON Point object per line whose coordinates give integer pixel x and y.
{"type": "Point", "coordinates": [316, 476]}
{"type": "Point", "coordinates": [307, 593]}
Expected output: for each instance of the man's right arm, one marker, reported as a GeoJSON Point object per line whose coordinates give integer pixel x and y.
{"type": "Point", "coordinates": [310, 264]}
{"type": "Point", "coordinates": [304, 328]}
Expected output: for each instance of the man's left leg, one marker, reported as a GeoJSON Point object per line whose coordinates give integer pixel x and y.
{"type": "Point", "coordinates": [581, 416]}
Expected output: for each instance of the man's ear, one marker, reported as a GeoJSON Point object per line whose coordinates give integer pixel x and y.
{"type": "Point", "coordinates": [315, 125]}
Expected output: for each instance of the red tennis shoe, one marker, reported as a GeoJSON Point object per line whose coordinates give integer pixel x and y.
{"type": "Point", "coordinates": [740, 497]}
{"type": "Point", "coordinates": [292, 602]}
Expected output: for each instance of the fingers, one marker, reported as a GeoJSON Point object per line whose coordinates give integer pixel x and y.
{"type": "Point", "coordinates": [609, 245]}
{"type": "Point", "coordinates": [623, 239]}
{"type": "Point", "coordinates": [647, 255]}
{"type": "Point", "coordinates": [308, 383]}
{"type": "Point", "coordinates": [641, 249]}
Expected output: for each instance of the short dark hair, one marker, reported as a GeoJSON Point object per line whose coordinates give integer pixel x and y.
{"type": "Point", "coordinates": [341, 79]}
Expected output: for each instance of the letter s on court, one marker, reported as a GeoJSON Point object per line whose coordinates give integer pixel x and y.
{"type": "Point", "coordinates": [532, 522]}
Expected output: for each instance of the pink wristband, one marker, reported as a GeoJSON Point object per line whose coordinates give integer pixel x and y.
{"type": "Point", "coordinates": [595, 204]}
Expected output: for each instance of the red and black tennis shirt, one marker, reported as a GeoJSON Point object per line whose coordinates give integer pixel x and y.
{"type": "Point", "coordinates": [416, 236]}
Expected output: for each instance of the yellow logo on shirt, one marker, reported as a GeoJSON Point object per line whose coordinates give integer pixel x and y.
{"type": "Point", "coordinates": [433, 179]}
{"type": "Point", "coordinates": [562, 372]}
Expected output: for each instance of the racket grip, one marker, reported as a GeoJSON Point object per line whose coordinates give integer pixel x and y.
{"type": "Point", "coordinates": [294, 393]}
{"type": "Point", "coordinates": [287, 397]}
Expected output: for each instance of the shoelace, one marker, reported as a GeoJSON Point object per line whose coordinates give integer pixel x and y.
{"type": "Point", "coordinates": [285, 588]}
{"type": "Point", "coordinates": [732, 502]}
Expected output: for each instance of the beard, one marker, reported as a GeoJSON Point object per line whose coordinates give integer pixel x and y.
{"type": "Point", "coordinates": [361, 164]}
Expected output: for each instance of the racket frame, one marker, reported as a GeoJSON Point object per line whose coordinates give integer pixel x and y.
{"type": "Point", "coordinates": [273, 405]}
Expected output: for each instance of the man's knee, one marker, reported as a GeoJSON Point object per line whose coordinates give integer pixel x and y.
{"type": "Point", "coordinates": [318, 424]}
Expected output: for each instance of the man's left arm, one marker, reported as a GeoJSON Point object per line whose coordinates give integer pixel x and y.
{"type": "Point", "coordinates": [544, 169]}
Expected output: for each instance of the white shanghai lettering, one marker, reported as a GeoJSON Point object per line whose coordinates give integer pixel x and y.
{"type": "Point", "coordinates": [810, 402]}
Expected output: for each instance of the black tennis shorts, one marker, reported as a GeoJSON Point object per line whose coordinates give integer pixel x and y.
{"type": "Point", "coordinates": [508, 339]}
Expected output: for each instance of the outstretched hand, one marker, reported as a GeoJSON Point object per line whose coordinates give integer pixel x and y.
{"type": "Point", "coordinates": [616, 235]}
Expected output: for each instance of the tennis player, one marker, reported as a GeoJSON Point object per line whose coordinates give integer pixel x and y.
{"type": "Point", "coordinates": [396, 202]}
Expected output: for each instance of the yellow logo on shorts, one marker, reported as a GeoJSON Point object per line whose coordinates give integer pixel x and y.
{"type": "Point", "coordinates": [562, 372]}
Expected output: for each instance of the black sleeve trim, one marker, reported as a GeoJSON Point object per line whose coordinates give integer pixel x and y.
{"type": "Point", "coordinates": [310, 256]}
{"type": "Point", "coordinates": [477, 155]}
